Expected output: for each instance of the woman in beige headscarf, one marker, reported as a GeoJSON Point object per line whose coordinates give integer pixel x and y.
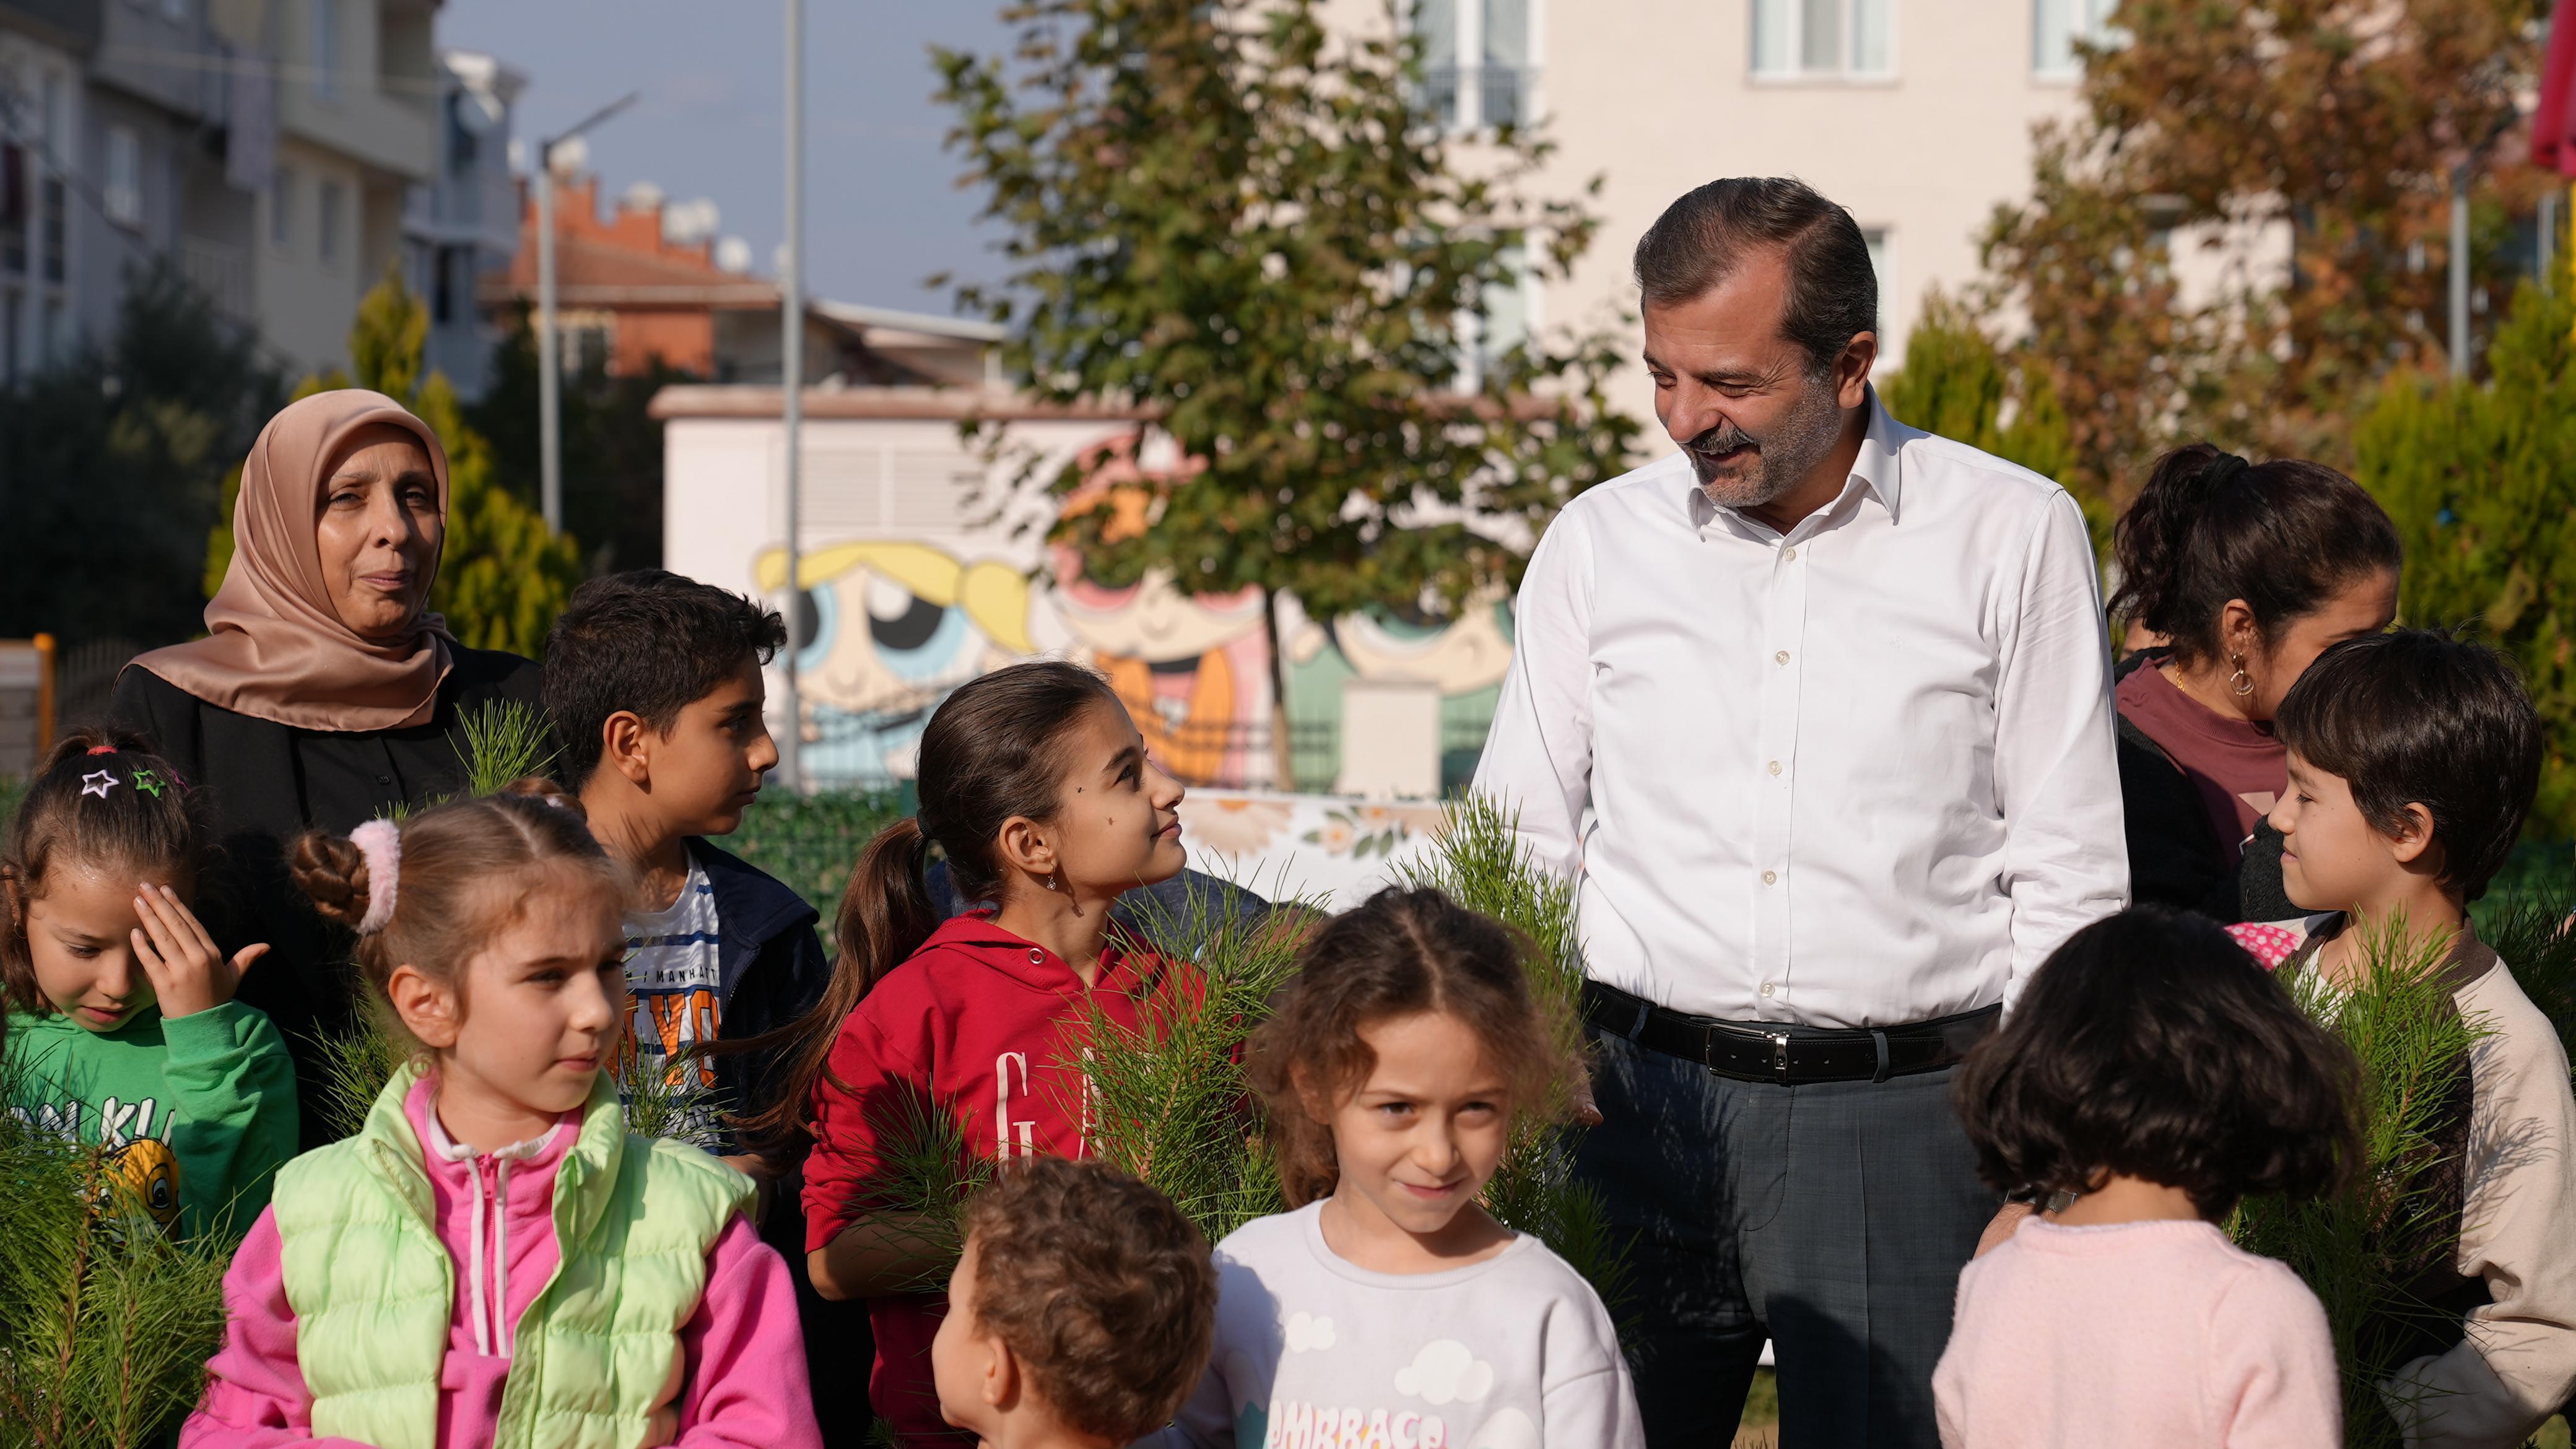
{"type": "Point", "coordinates": [324, 692]}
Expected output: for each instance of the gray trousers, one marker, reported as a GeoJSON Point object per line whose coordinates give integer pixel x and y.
{"type": "Point", "coordinates": [1831, 1219]}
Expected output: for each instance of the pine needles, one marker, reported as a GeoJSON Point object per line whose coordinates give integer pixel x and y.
{"type": "Point", "coordinates": [355, 1068]}
{"type": "Point", "coordinates": [2362, 1251]}
{"type": "Point", "coordinates": [505, 740]}
{"type": "Point", "coordinates": [106, 1321]}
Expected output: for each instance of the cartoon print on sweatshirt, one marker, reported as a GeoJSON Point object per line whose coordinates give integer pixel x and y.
{"type": "Point", "coordinates": [135, 1137]}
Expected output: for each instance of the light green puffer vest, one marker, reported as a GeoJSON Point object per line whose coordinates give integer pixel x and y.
{"type": "Point", "coordinates": [596, 1360]}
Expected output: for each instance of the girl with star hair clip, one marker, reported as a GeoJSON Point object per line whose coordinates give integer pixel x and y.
{"type": "Point", "coordinates": [122, 1029]}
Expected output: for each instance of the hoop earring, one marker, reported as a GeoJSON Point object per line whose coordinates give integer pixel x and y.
{"type": "Point", "coordinates": [2240, 681]}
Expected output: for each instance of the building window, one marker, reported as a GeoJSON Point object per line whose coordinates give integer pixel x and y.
{"type": "Point", "coordinates": [1881, 263]}
{"type": "Point", "coordinates": [53, 228]}
{"type": "Point", "coordinates": [121, 188]}
{"type": "Point", "coordinates": [442, 283]}
{"type": "Point", "coordinates": [281, 207]}
{"type": "Point", "coordinates": [13, 326]}
{"type": "Point", "coordinates": [328, 214]}
{"type": "Point", "coordinates": [1824, 39]}
{"type": "Point", "coordinates": [326, 48]}
{"type": "Point", "coordinates": [13, 212]}
{"type": "Point", "coordinates": [1477, 61]}
{"type": "Point", "coordinates": [2055, 28]}
{"type": "Point", "coordinates": [56, 338]}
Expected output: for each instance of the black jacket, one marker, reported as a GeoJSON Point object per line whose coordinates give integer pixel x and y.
{"type": "Point", "coordinates": [266, 784]}
{"type": "Point", "coordinates": [2175, 858]}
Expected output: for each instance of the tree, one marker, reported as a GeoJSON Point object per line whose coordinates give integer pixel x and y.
{"type": "Point", "coordinates": [112, 466]}
{"type": "Point", "coordinates": [2481, 480]}
{"type": "Point", "coordinates": [2328, 128]}
{"type": "Point", "coordinates": [502, 577]}
{"type": "Point", "coordinates": [612, 446]}
{"type": "Point", "coordinates": [1249, 227]}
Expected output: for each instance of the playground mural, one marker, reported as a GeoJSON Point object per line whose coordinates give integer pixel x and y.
{"type": "Point", "coordinates": [893, 625]}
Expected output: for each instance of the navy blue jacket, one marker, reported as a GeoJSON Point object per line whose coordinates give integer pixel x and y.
{"type": "Point", "coordinates": [770, 967]}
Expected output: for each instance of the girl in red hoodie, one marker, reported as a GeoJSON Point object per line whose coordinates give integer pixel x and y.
{"type": "Point", "coordinates": [1036, 785]}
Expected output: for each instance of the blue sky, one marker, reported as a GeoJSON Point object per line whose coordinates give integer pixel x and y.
{"type": "Point", "coordinates": [882, 210]}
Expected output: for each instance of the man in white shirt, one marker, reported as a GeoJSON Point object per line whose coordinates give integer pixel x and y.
{"type": "Point", "coordinates": [1817, 713]}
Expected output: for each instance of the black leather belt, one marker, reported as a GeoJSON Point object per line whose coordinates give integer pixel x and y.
{"type": "Point", "coordinates": [1785, 1054]}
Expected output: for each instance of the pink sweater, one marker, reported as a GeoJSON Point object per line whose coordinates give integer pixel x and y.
{"type": "Point", "coordinates": [744, 1357]}
{"type": "Point", "coordinates": [2157, 1335]}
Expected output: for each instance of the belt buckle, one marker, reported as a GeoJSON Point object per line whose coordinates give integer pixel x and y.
{"type": "Point", "coordinates": [1779, 1054]}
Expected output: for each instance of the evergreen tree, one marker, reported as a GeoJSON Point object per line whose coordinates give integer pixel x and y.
{"type": "Point", "coordinates": [612, 446]}
{"type": "Point", "coordinates": [2481, 480]}
{"type": "Point", "coordinates": [1227, 215]}
{"type": "Point", "coordinates": [112, 465]}
{"type": "Point", "coordinates": [502, 577]}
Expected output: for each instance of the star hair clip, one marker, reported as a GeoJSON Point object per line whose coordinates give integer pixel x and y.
{"type": "Point", "coordinates": [98, 783]}
{"type": "Point", "coordinates": [148, 783]}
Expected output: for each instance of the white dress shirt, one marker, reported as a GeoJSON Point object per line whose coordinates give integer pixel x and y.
{"type": "Point", "coordinates": [1857, 775]}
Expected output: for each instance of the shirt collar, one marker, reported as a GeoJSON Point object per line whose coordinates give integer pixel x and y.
{"type": "Point", "coordinates": [1878, 470]}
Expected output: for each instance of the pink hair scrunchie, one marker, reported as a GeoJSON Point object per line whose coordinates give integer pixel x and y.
{"type": "Point", "coordinates": [380, 841]}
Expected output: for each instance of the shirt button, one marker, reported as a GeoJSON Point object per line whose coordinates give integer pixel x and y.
{"type": "Point", "coordinates": [1770, 877]}
{"type": "Point", "coordinates": [1790, 554]}
{"type": "Point", "coordinates": [1780, 658]}
{"type": "Point", "coordinates": [1775, 767]}
{"type": "Point", "coordinates": [1768, 988]}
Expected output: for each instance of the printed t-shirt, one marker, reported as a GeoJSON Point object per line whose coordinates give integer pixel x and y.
{"type": "Point", "coordinates": [1315, 1352]}
{"type": "Point", "coordinates": [2238, 767]}
{"type": "Point", "coordinates": [675, 987]}
{"type": "Point", "coordinates": [196, 1112]}
{"type": "Point", "coordinates": [987, 1027]}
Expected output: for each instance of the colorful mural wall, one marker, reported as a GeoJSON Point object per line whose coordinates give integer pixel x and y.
{"type": "Point", "coordinates": [894, 625]}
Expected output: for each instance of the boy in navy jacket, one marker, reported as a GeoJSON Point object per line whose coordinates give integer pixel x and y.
{"type": "Point", "coordinates": [654, 685]}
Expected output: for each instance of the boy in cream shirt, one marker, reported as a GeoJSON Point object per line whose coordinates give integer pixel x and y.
{"type": "Point", "coordinates": [2413, 760]}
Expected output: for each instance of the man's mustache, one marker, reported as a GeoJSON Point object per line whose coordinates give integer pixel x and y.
{"type": "Point", "coordinates": [1722, 439]}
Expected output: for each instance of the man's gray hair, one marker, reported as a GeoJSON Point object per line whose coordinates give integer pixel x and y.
{"type": "Point", "coordinates": [1700, 239]}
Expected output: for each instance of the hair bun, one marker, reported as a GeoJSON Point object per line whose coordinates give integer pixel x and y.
{"type": "Point", "coordinates": [332, 872]}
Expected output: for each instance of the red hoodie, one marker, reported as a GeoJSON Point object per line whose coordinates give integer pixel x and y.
{"type": "Point", "coordinates": [989, 1026]}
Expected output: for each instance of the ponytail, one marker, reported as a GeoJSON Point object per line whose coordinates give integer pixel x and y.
{"type": "Point", "coordinates": [886, 913]}
{"type": "Point", "coordinates": [2284, 536]}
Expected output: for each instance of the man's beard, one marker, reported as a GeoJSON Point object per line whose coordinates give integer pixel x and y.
{"type": "Point", "coordinates": [1768, 466]}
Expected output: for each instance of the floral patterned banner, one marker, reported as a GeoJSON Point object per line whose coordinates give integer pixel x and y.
{"type": "Point", "coordinates": [1331, 850]}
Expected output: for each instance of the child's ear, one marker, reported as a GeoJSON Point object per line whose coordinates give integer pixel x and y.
{"type": "Point", "coordinates": [1023, 844]}
{"type": "Point", "coordinates": [426, 1006]}
{"type": "Point", "coordinates": [2413, 841]}
{"type": "Point", "coordinates": [1001, 1387]}
{"type": "Point", "coordinates": [1317, 1108]}
{"type": "Point", "coordinates": [626, 746]}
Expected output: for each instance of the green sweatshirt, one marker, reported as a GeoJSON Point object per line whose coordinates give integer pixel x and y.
{"type": "Point", "coordinates": [198, 1111]}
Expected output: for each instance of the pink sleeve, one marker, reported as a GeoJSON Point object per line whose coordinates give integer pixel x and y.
{"type": "Point", "coordinates": [745, 1354]}
{"type": "Point", "coordinates": [2276, 1381]}
{"type": "Point", "coordinates": [255, 1395]}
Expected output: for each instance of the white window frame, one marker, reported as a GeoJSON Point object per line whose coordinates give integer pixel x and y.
{"type": "Point", "coordinates": [1848, 71]}
{"type": "Point", "coordinates": [1467, 110]}
{"type": "Point", "coordinates": [2088, 21]}
{"type": "Point", "coordinates": [121, 178]}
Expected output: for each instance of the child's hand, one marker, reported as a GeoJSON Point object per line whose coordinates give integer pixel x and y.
{"type": "Point", "coordinates": [188, 974]}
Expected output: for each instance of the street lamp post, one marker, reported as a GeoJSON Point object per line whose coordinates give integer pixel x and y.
{"type": "Point", "coordinates": [791, 383]}
{"type": "Point", "coordinates": [549, 369]}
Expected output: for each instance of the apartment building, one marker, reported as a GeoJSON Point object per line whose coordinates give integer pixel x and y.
{"type": "Point", "coordinates": [462, 227]}
{"type": "Point", "coordinates": [356, 91]}
{"type": "Point", "coordinates": [1915, 114]}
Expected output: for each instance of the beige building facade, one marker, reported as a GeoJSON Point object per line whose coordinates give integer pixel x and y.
{"type": "Point", "coordinates": [1914, 114]}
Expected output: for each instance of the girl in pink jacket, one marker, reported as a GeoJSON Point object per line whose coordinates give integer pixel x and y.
{"type": "Point", "coordinates": [493, 1260]}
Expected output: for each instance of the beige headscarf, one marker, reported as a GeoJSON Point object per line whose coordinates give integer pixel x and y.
{"type": "Point", "coordinates": [275, 646]}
